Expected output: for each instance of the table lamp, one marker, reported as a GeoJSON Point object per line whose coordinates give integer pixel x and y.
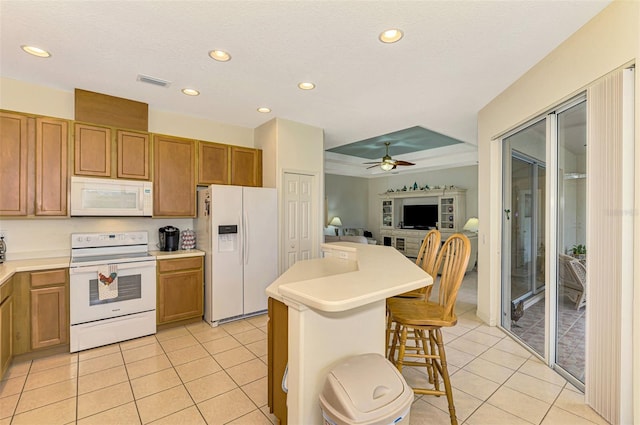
{"type": "Point", "coordinates": [471, 225]}
{"type": "Point", "coordinates": [335, 221]}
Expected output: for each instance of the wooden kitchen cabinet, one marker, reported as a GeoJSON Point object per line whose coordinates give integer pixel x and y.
{"type": "Point", "coordinates": [6, 325]}
{"type": "Point", "coordinates": [92, 151]}
{"type": "Point", "coordinates": [277, 349]}
{"type": "Point", "coordinates": [133, 155]}
{"type": "Point", "coordinates": [180, 291]}
{"type": "Point", "coordinates": [33, 165]}
{"type": "Point", "coordinates": [13, 164]}
{"type": "Point", "coordinates": [49, 312]}
{"type": "Point", "coordinates": [213, 163]}
{"type": "Point", "coordinates": [52, 139]}
{"type": "Point", "coordinates": [174, 180]}
{"type": "Point", "coordinates": [246, 166]}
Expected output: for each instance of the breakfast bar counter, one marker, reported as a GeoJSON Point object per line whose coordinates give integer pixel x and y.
{"type": "Point", "coordinates": [336, 309]}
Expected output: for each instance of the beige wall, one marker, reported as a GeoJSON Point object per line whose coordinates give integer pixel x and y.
{"type": "Point", "coordinates": [347, 198]}
{"type": "Point", "coordinates": [50, 237]}
{"type": "Point", "coordinates": [609, 41]}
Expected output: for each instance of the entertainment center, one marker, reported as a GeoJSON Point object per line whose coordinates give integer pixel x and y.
{"type": "Point", "coordinates": [407, 216]}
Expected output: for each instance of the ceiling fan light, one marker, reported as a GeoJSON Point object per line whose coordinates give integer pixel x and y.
{"type": "Point", "coordinates": [386, 166]}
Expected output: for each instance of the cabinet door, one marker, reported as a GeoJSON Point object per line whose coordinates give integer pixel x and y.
{"type": "Point", "coordinates": [92, 151]}
{"type": "Point", "coordinates": [180, 296]}
{"type": "Point", "coordinates": [277, 346]}
{"type": "Point", "coordinates": [13, 164]}
{"type": "Point", "coordinates": [51, 167]}
{"type": "Point", "coordinates": [6, 334]}
{"type": "Point", "coordinates": [48, 317]}
{"type": "Point", "coordinates": [133, 155]}
{"type": "Point", "coordinates": [174, 181]}
{"type": "Point", "coordinates": [246, 166]}
{"type": "Point", "coordinates": [213, 163]}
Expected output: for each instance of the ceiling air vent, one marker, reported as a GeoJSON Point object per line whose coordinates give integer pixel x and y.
{"type": "Point", "coordinates": [153, 80]}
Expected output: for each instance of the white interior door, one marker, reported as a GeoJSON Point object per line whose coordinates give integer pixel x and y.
{"type": "Point", "coordinates": [298, 202]}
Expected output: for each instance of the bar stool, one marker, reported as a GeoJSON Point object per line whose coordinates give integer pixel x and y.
{"type": "Point", "coordinates": [426, 319]}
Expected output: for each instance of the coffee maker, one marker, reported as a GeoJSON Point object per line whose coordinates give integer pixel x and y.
{"type": "Point", "coordinates": [169, 238]}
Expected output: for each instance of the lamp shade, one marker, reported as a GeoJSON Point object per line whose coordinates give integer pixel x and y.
{"type": "Point", "coordinates": [335, 221]}
{"type": "Point", "coordinates": [471, 225]}
{"type": "Point", "coordinates": [386, 166]}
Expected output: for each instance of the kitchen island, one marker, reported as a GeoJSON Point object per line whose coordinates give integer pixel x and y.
{"type": "Point", "coordinates": [336, 309]}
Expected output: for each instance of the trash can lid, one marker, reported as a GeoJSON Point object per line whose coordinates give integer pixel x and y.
{"type": "Point", "coordinates": [364, 384]}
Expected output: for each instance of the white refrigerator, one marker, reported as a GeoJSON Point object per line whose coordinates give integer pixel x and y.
{"type": "Point", "coordinates": [237, 229]}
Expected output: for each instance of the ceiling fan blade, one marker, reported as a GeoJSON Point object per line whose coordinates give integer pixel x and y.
{"type": "Point", "coordinates": [404, 163]}
{"type": "Point", "coordinates": [377, 162]}
{"type": "Point", "coordinates": [373, 166]}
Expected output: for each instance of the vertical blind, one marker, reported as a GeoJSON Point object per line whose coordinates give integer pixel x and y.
{"type": "Point", "coordinates": [610, 268]}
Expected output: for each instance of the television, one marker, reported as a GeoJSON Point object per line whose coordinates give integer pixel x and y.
{"type": "Point", "coordinates": [420, 216]}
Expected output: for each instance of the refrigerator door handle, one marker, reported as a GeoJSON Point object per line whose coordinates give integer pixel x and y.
{"type": "Point", "coordinates": [246, 238]}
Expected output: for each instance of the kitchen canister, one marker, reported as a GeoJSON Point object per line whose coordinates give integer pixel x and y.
{"type": "Point", "coordinates": [188, 239]}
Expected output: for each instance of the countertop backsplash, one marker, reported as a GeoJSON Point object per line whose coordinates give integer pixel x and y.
{"type": "Point", "coordinates": [45, 238]}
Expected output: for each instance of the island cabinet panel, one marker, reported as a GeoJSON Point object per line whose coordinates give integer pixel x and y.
{"type": "Point", "coordinates": [180, 291]}
{"type": "Point", "coordinates": [213, 163]}
{"type": "Point", "coordinates": [6, 326]}
{"type": "Point", "coordinates": [92, 151]}
{"type": "Point", "coordinates": [52, 138]}
{"type": "Point", "coordinates": [13, 164]}
{"type": "Point", "coordinates": [174, 181]}
{"type": "Point", "coordinates": [246, 166]}
{"type": "Point", "coordinates": [278, 334]}
{"type": "Point", "coordinates": [133, 155]}
{"type": "Point", "coordinates": [49, 312]}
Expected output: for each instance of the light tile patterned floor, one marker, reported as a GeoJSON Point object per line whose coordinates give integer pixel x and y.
{"type": "Point", "coordinates": [200, 375]}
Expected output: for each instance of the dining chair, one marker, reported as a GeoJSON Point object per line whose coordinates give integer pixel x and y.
{"type": "Point", "coordinates": [425, 319]}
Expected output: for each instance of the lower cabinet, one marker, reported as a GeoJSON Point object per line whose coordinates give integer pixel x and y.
{"type": "Point", "coordinates": [180, 290]}
{"type": "Point", "coordinates": [41, 310]}
{"type": "Point", "coordinates": [278, 356]}
{"type": "Point", "coordinates": [6, 326]}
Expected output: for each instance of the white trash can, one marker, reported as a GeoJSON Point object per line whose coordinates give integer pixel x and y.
{"type": "Point", "coordinates": [365, 390]}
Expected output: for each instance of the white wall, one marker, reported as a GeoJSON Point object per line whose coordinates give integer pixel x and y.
{"type": "Point", "coordinates": [347, 198]}
{"type": "Point", "coordinates": [46, 237]}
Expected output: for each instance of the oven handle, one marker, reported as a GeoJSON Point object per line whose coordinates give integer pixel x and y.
{"type": "Point", "coordinates": [121, 266]}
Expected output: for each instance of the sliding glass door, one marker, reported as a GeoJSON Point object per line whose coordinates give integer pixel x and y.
{"type": "Point", "coordinates": [544, 237]}
{"type": "Point", "coordinates": [523, 301]}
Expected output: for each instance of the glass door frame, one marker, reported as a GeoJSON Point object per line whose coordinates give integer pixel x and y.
{"type": "Point", "coordinates": [551, 217]}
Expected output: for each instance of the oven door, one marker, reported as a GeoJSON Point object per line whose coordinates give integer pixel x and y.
{"type": "Point", "coordinates": [136, 292]}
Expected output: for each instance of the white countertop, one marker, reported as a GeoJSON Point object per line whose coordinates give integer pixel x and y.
{"type": "Point", "coordinates": [182, 253]}
{"type": "Point", "coordinates": [8, 268]}
{"type": "Point", "coordinates": [334, 284]}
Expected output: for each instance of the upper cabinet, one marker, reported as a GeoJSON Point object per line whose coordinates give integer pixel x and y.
{"type": "Point", "coordinates": [133, 155]}
{"type": "Point", "coordinates": [52, 139]}
{"type": "Point", "coordinates": [33, 165]}
{"type": "Point", "coordinates": [13, 164]}
{"type": "Point", "coordinates": [246, 166]}
{"type": "Point", "coordinates": [94, 146]}
{"type": "Point", "coordinates": [174, 182]}
{"type": "Point", "coordinates": [213, 163]}
{"type": "Point", "coordinates": [92, 151]}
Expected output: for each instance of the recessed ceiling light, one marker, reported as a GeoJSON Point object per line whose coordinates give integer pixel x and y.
{"type": "Point", "coordinates": [220, 55]}
{"type": "Point", "coordinates": [190, 92]}
{"type": "Point", "coordinates": [36, 51]}
{"type": "Point", "coordinates": [306, 86]}
{"type": "Point", "coordinates": [264, 110]}
{"type": "Point", "coordinates": [390, 35]}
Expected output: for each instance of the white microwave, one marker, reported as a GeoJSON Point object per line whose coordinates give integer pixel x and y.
{"type": "Point", "coordinates": [111, 197]}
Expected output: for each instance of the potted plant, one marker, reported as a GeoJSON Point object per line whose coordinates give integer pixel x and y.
{"type": "Point", "coordinates": [579, 251]}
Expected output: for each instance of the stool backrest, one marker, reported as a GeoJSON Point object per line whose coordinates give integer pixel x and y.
{"type": "Point", "coordinates": [429, 251]}
{"type": "Point", "coordinates": [452, 263]}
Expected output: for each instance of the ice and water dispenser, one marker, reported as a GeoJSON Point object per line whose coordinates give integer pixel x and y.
{"type": "Point", "coordinates": [227, 238]}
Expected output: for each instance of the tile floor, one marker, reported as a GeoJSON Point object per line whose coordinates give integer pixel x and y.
{"type": "Point", "coordinates": [200, 375]}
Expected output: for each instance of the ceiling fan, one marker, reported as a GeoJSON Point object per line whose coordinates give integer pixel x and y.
{"type": "Point", "coordinates": [387, 163]}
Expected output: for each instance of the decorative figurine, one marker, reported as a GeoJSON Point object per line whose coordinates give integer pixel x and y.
{"type": "Point", "coordinates": [415, 186]}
